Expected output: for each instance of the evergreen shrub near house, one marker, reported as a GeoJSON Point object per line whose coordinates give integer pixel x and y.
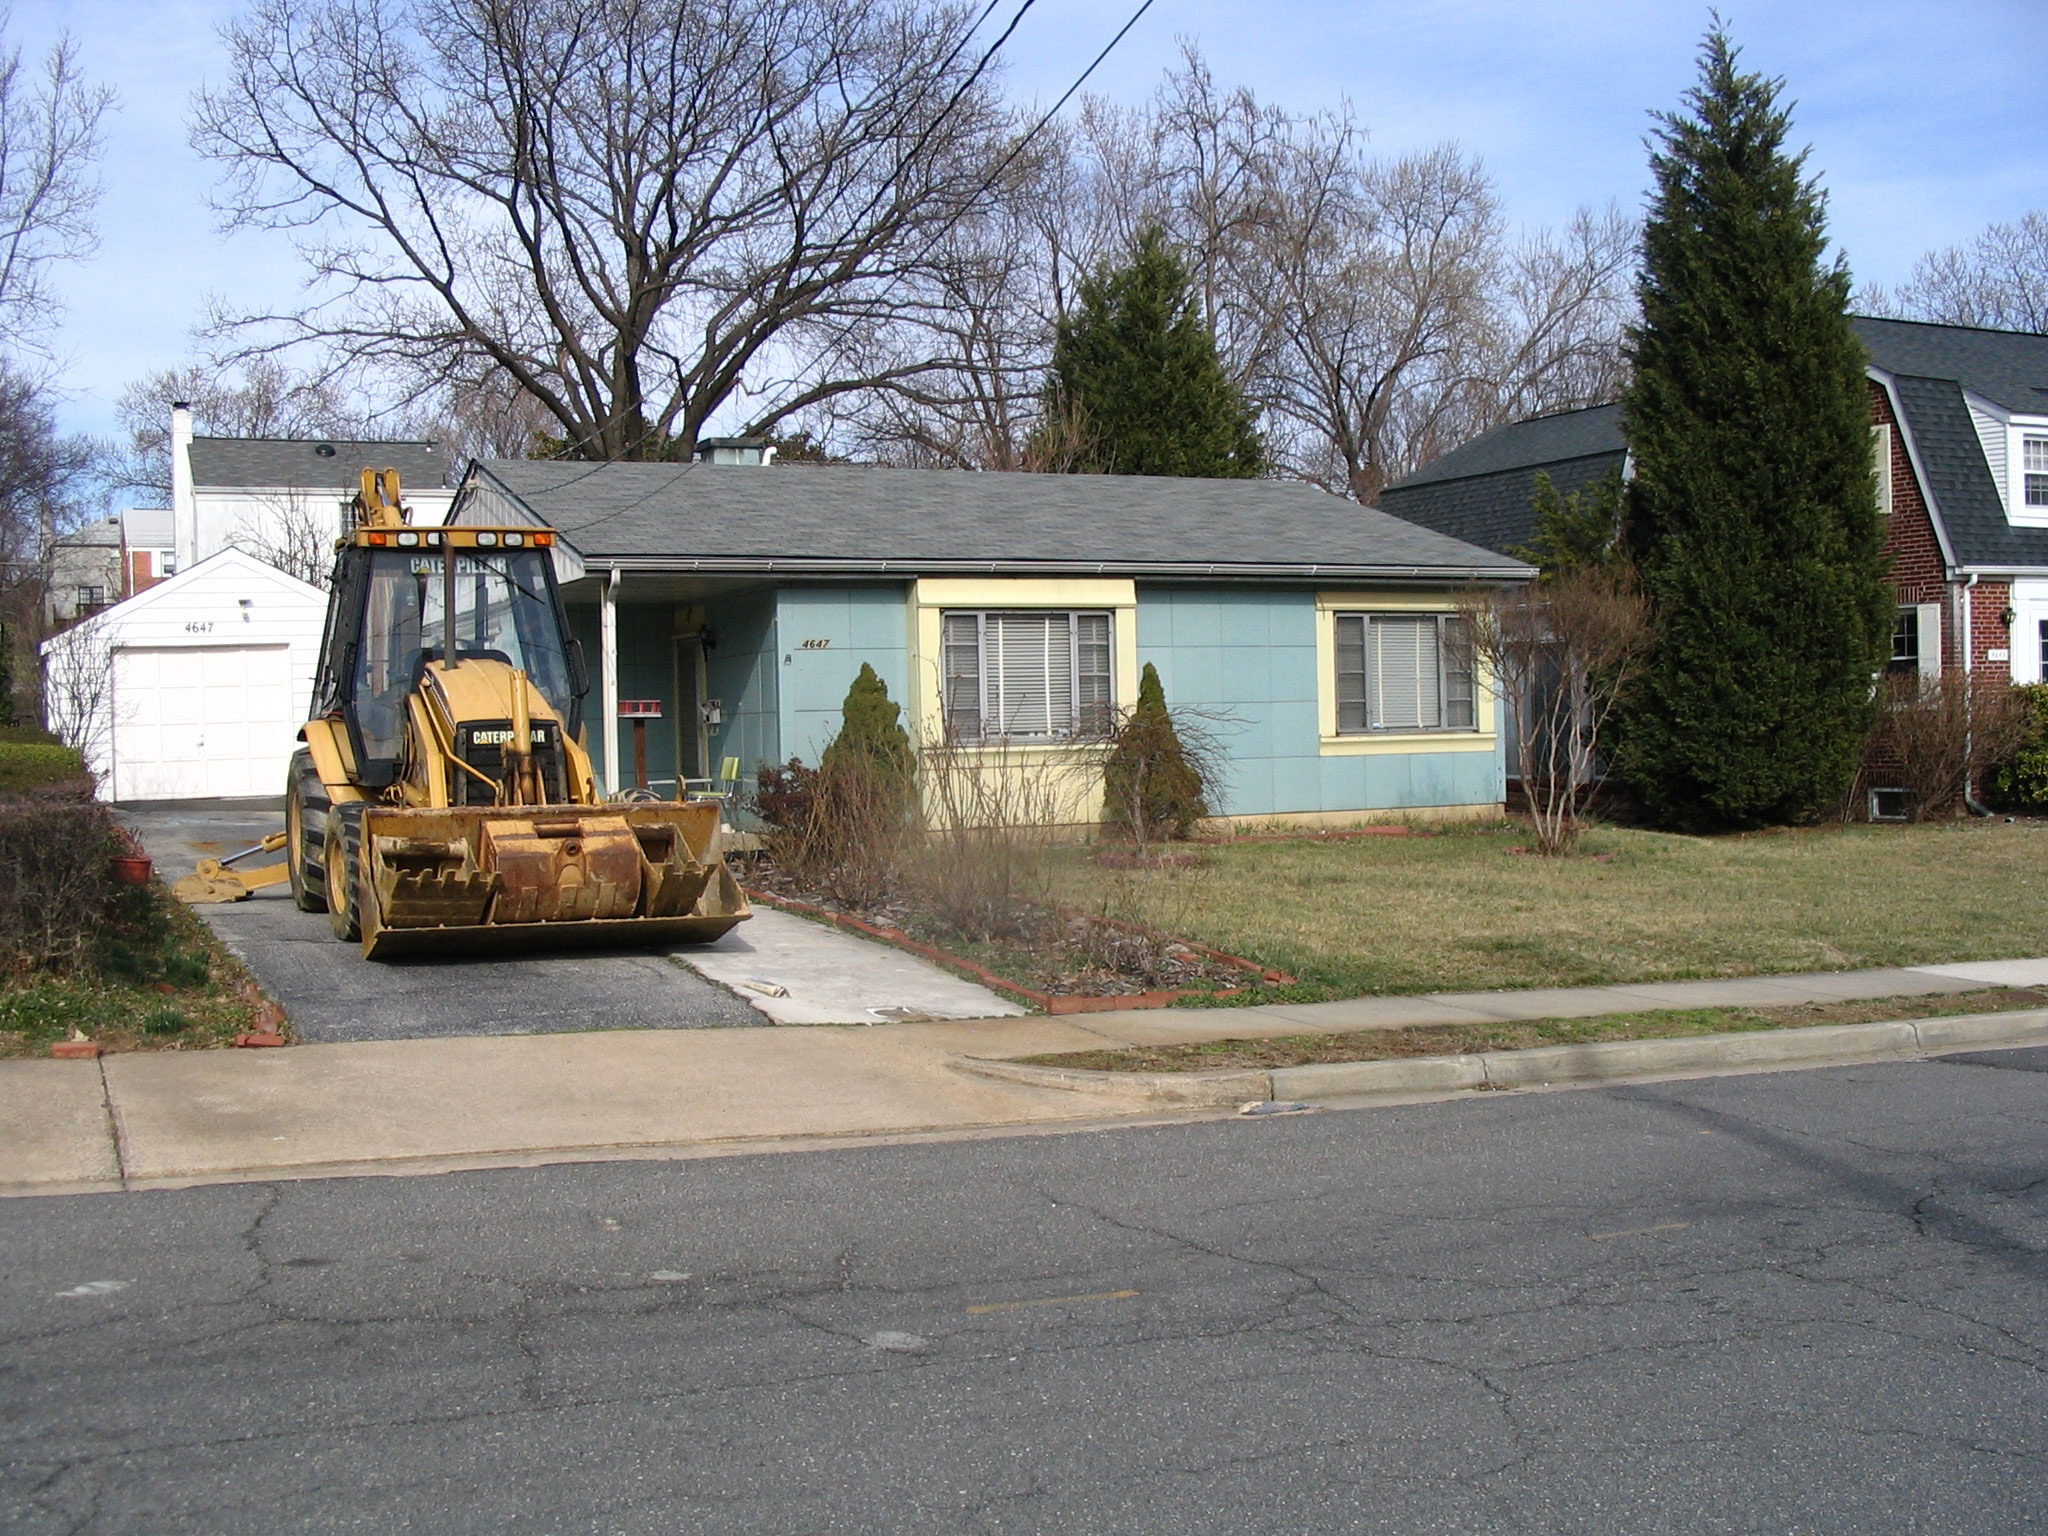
{"type": "Point", "coordinates": [1136, 387]}
{"type": "Point", "coordinates": [871, 740]}
{"type": "Point", "coordinates": [1752, 518]}
{"type": "Point", "coordinates": [2019, 784]}
{"type": "Point", "coordinates": [1151, 789]}
{"type": "Point", "coordinates": [838, 828]}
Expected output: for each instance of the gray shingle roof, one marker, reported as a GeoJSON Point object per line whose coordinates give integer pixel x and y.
{"type": "Point", "coordinates": [2009, 368]}
{"type": "Point", "coordinates": [1952, 455]}
{"type": "Point", "coordinates": [1537, 442]}
{"type": "Point", "coordinates": [1485, 492]}
{"type": "Point", "coordinates": [1482, 492]}
{"type": "Point", "coordinates": [275, 463]}
{"type": "Point", "coordinates": [812, 516]}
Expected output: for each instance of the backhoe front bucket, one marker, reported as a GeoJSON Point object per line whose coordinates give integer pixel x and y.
{"type": "Point", "coordinates": [511, 878]}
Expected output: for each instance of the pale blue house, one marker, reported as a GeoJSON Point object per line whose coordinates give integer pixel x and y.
{"type": "Point", "coordinates": [727, 604]}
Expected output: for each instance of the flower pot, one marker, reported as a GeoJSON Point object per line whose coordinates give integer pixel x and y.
{"type": "Point", "coordinates": [132, 869]}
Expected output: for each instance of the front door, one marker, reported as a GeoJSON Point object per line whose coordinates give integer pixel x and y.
{"type": "Point", "coordinates": [689, 717]}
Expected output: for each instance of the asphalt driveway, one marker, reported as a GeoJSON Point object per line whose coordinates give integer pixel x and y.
{"type": "Point", "coordinates": [332, 993]}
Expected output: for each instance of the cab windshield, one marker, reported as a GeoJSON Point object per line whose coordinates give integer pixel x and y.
{"type": "Point", "coordinates": [504, 611]}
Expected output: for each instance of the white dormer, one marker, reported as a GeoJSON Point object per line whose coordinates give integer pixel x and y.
{"type": "Point", "coordinates": [2016, 449]}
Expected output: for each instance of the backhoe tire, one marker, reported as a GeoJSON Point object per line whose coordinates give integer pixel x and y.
{"type": "Point", "coordinates": [306, 839]}
{"type": "Point", "coordinates": [343, 861]}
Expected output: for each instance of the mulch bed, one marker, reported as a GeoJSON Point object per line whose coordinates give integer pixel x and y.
{"type": "Point", "coordinates": [1070, 970]}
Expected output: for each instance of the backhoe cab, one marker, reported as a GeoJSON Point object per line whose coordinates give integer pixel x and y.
{"type": "Point", "coordinates": [444, 799]}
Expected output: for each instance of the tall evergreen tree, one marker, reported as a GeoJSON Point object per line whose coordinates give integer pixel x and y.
{"type": "Point", "coordinates": [1752, 517]}
{"type": "Point", "coordinates": [1136, 386]}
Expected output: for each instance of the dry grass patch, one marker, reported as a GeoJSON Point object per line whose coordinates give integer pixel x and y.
{"type": "Point", "coordinates": [1460, 911]}
{"type": "Point", "coordinates": [1459, 1039]}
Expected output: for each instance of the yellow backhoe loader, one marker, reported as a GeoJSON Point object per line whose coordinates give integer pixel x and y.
{"type": "Point", "coordinates": [444, 800]}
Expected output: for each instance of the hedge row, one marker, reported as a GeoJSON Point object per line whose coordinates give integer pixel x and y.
{"type": "Point", "coordinates": [26, 766]}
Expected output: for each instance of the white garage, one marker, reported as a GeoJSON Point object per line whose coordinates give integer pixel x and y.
{"type": "Point", "coordinates": [196, 688]}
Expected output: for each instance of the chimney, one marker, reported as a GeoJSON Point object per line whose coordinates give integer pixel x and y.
{"type": "Point", "coordinates": [184, 508]}
{"type": "Point", "coordinates": [735, 450]}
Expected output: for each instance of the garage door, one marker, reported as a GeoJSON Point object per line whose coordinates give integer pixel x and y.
{"type": "Point", "coordinates": [195, 722]}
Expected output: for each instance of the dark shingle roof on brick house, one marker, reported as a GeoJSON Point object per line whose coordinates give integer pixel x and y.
{"type": "Point", "coordinates": [1484, 491]}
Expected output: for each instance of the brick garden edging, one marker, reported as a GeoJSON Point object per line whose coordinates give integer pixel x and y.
{"type": "Point", "coordinates": [1050, 1002]}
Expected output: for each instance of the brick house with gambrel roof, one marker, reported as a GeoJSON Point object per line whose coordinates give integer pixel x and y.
{"type": "Point", "coordinates": [1960, 430]}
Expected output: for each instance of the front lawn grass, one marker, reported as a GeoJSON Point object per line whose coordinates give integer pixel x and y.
{"type": "Point", "coordinates": [1460, 911]}
{"type": "Point", "coordinates": [1265, 1053]}
{"type": "Point", "coordinates": [156, 978]}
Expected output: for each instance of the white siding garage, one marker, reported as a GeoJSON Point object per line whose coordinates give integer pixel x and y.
{"type": "Point", "coordinates": [196, 722]}
{"type": "Point", "coordinates": [207, 678]}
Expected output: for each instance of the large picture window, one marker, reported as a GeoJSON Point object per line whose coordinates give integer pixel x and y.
{"type": "Point", "coordinates": [1404, 672]}
{"type": "Point", "coordinates": [1037, 675]}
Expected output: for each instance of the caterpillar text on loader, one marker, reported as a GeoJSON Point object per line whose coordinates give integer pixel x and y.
{"type": "Point", "coordinates": [443, 800]}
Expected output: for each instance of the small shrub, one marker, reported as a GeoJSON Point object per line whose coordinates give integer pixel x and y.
{"type": "Point", "coordinates": [983, 869]}
{"type": "Point", "coordinates": [1937, 735]}
{"type": "Point", "coordinates": [56, 879]}
{"type": "Point", "coordinates": [783, 795]}
{"type": "Point", "coordinates": [1152, 784]}
{"type": "Point", "coordinates": [872, 743]}
{"type": "Point", "coordinates": [2020, 783]}
{"type": "Point", "coordinates": [838, 829]}
{"type": "Point", "coordinates": [833, 830]}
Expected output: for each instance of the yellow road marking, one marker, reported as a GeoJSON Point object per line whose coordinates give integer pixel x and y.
{"type": "Point", "coordinates": [1049, 1301]}
{"type": "Point", "coordinates": [1669, 1226]}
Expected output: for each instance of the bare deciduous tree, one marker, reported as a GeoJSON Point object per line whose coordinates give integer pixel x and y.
{"type": "Point", "coordinates": [1999, 279]}
{"type": "Point", "coordinates": [49, 142]}
{"type": "Point", "coordinates": [294, 532]}
{"type": "Point", "coordinates": [79, 704]}
{"type": "Point", "coordinates": [261, 398]}
{"type": "Point", "coordinates": [1560, 652]}
{"type": "Point", "coordinates": [1374, 309]}
{"type": "Point", "coordinates": [634, 210]}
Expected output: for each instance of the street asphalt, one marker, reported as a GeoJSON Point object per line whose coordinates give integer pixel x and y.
{"type": "Point", "coordinates": [332, 993]}
{"type": "Point", "coordinates": [1806, 1302]}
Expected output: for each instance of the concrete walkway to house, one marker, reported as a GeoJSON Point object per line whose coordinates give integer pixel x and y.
{"type": "Point", "coordinates": [147, 1120]}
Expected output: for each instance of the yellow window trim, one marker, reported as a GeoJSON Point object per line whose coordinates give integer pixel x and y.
{"type": "Point", "coordinates": [932, 596]}
{"type": "Point", "coordinates": [1332, 743]}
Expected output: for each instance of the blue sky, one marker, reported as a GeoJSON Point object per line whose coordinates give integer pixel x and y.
{"type": "Point", "coordinates": [1926, 121]}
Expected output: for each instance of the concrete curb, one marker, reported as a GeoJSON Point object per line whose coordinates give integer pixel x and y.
{"type": "Point", "coordinates": [1602, 1061]}
{"type": "Point", "coordinates": [1195, 1090]}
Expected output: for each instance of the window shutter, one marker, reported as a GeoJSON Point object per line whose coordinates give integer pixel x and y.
{"type": "Point", "coordinates": [1929, 616]}
{"type": "Point", "coordinates": [1092, 693]}
{"type": "Point", "coordinates": [1881, 456]}
{"type": "Point", "coordinates": [1404, 673]}
{"type": "Point", "coordinates": [1350, 672]}
{"type": "Point", "coordinates": [962, 647]}
{"type": "Point", "coordinates": [1460, 706]}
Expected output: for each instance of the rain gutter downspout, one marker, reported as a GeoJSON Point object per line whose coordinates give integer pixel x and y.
{"type": "Point", "coordinates": [1970, 799]}
{"type": "Point", "coordinates": [608, 648]}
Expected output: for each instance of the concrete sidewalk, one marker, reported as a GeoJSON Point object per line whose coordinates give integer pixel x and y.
{"type": "Point", "coordinates": [142, 1120]}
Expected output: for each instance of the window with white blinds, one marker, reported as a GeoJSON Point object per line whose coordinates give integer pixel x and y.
{"type": "Point", "coordinates": [1404, 672]}
{"type": "Point", "coordinates": [1029, 676]}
